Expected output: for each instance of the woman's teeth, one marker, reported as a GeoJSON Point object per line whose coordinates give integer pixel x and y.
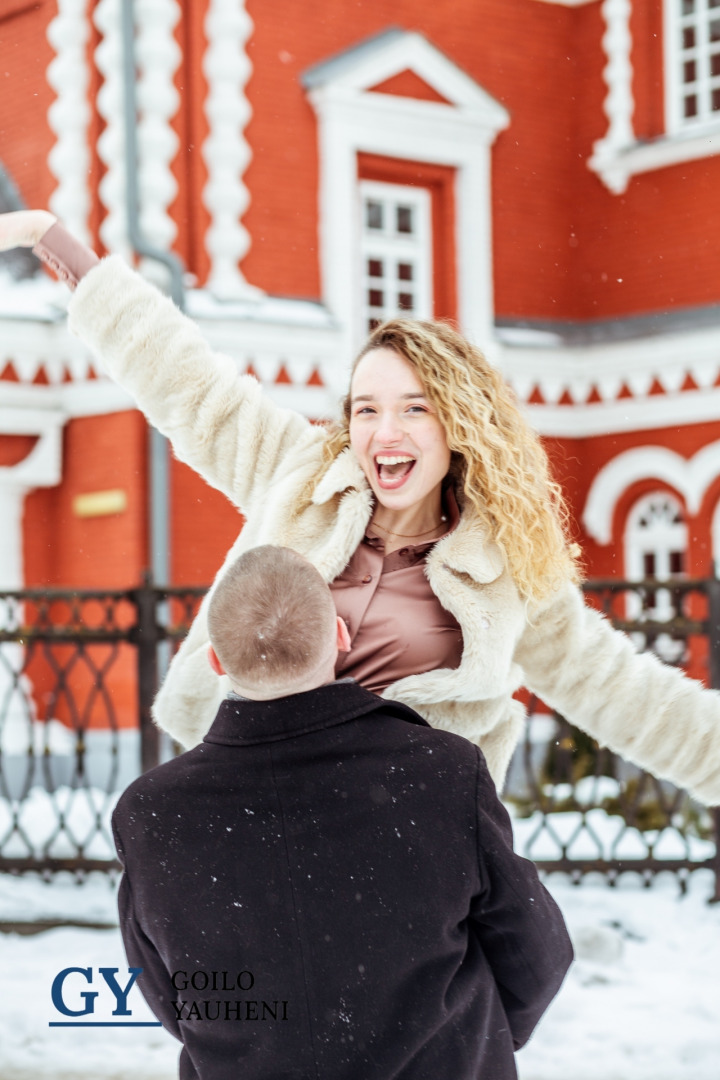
{"type": "Point", "coordinates": [393, 465]}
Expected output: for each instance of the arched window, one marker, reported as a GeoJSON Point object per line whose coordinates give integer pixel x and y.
{"type": "Point", "coordinates": [716, 538]}
{"type": "Point", "coordinates": [655, 538]}
{"type": "Point", "coordinates": [656, 548]}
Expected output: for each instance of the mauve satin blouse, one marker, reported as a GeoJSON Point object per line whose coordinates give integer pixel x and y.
{"type": "Point", "coordinates": [397, 625]}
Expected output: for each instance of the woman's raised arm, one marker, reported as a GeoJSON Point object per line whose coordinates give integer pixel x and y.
{"type": "Point", "coordinates": [219, 422]}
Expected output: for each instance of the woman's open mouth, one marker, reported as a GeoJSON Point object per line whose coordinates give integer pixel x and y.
{"type": "Point", "coordinates": [393, 469]}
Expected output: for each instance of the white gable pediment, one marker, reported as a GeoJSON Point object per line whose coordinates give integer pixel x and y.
{"type": "Point", "coordinates": [374, 61]}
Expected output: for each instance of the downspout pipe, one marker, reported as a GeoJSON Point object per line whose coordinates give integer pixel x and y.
{"type": "Point", "coordinates": [159, 470]}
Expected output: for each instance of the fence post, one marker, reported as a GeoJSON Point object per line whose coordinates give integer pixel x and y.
{"type": "Point", "coordinates": [147, 642]}
{"type": "Point", "coordinates": [714, 675]}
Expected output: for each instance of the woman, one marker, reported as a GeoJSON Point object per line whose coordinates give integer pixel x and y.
{"type": "Point", "coordinates": [430, 512]}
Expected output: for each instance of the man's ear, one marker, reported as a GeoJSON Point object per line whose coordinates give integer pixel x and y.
{"type": "Point", "coordinates": [214, 662]}
{"type": "Point", "coordinates": [343, 635]}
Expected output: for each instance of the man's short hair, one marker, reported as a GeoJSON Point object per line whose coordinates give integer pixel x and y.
{"type": "Point", "coordinates": [272, 622]}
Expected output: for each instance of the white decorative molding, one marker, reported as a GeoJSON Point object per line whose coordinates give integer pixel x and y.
{"type": "Point", "coordinates": [111, 144]}
{"type": "Point", "coordinates": [619, 155]}
{"type": "Point", "coordinates": [576, 372]}
{"type": "Point", "coordinates": [69, 114]}
{"type": "Point", "coordinates": [459, 134]}
{"type": "Point", "coordinates": [272, 336]}
{"type": "Point", "coordinates": [226, 151]}
{"type": "Point", "coordinates": [618, 104]}
{"type": "Point", "coordinates": [158, 57]}
{"type": "Point", "coordinates": [689, 477]}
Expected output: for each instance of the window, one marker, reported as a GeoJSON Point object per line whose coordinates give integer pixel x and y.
{"type": "Point", "coordinates": [656, 547]}
{"type": "Point", "coordinates": [693, 47]}
{"type": "Point", "coordinates": [396, 252]}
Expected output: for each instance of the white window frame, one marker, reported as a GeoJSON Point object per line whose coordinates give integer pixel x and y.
{"type": "Point", "coordinates": [715, 530]}
{"type": "Point", "coordinates": [665, 541]}
{"type": "Point", "coordinates": [619, 155]}
{"type": "Point", "coordinates": [675, 22]}
{"type": "Point", "coordinates": [353, 119]}
{"type": "Point", "coordinates": [388, 247]}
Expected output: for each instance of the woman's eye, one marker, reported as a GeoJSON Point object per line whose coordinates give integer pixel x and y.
{"type": "Point", "coordinates": [364, 409]}
{"type": "Point", "coordinates": [417, 408]}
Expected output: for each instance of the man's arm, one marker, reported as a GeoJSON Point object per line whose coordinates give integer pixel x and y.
{"type": "Point", "coordinates": [155, 980]}
{"type": "Point", "coordinates": [518, 924]}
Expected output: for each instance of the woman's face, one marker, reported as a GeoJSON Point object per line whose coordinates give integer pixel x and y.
{"type": "Point", "coordinates": [395, 432]}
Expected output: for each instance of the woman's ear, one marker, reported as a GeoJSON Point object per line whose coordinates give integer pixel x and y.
{"type": "Point", "coordinates": [214, 662]}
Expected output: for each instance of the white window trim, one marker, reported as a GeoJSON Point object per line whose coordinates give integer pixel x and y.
{"type": "Point", "coordinates": [675, 123]}
{"type": "Point", "coordinates": [618, 156]}
{"type": "Point", "coordinates": [715, 535]}
{"type": "Point", "coordinates": [460, 134]}
{"type": "Point", "coordinates": [689, 477]}
{"type": "Point", "coordinates": [419, 248]}
{"type": "Point", "coordinates": [635, 551]}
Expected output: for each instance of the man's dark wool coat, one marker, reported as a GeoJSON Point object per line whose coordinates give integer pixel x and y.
{"type": "Point", "coordinates": [331, 887]}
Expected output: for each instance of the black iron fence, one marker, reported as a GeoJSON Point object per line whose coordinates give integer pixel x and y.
{"type": "Point", "coordinates": [79, 670]}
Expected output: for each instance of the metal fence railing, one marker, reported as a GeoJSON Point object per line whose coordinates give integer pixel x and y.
{"type": "Point", "coordinates": [79, 670]}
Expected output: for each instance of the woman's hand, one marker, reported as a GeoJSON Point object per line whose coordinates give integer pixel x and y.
{"type": "Point", "coordinates": [24, 228]}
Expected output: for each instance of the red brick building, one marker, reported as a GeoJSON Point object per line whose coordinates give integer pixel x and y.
{"type": "Point", "coordinates": [546, 172]}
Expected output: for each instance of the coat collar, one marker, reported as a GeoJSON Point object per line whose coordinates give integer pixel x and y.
{"type": "Point", "coordinates": [241, 722]}
{"type": "Point", "coordinates": [343, 473]}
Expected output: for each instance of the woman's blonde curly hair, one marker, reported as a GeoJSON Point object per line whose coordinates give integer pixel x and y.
{"type": "Point", "coordinates": [498, 464]}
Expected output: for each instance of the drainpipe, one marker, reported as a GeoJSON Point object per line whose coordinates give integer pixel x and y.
{"type": "Point", "coordinates": [159, 471]}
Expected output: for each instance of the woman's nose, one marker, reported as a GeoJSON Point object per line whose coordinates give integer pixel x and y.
{"type": "Point", "coordinates": [389, 428]}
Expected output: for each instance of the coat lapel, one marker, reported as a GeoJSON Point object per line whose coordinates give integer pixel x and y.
{"type": "Point", "coordinates": [467, 573]}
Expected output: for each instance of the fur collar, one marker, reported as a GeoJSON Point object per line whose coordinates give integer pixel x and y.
{"type": "Point", "coordinates": [343, 473]}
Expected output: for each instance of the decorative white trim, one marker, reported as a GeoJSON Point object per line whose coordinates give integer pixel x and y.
{"type": "Point", "coordinates": [619, 156]}
{"type": "Point", "coordinates": [226, 151]}
{"type": "Point", "coordinates": [158, 57]}
{"type": "Point", "coordinates": [658, 154]}
{"type": "Point", "coordinates": [557, 370]}
{"type": "Point", "coordinates": [627, 414]}
{"type": "Point", "coordinates": [618, 104]}
{"type": "Point", "coordinates": [715, 531]}
{"type": "Point", "coordinates": [111, 144]}
{"type": "Point", "coordinates": [42, 466]}
{"type": "Point", "coordinates": [459, 134]}
{"type": "Point", "coordinates": [689, 477]}
{"type": "Point", "coordinates": [69, 115]}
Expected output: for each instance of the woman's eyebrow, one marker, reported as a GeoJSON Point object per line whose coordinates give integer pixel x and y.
{"type": "Point", "coordinates": [371, 397]}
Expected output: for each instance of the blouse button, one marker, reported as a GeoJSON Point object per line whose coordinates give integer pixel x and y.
{"type": "Point", "coordinates": [367, 579]}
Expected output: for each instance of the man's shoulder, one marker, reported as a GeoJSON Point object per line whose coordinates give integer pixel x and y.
{"type": "Point", "coordinates": [153, 786]}
{"type": "Point", "coordinates": [412, 729]}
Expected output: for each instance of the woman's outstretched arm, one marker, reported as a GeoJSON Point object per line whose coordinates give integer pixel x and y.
{"type": "Point", "coordinates": [632, 702]}
{"type": "Point", "coordinates": [219, 422]}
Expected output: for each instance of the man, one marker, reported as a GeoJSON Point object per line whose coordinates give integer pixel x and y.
{"type": "Point", "coordinates": [326, 886]}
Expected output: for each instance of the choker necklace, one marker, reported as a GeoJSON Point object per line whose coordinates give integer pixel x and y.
{"type": "Point", "coordinates": [409, 536]}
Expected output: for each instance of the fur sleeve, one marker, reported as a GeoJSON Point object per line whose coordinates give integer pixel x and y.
{"type": "Point", "coordinates": [218, 421]}
{"type": "Point", "coordinates": [631, 702]}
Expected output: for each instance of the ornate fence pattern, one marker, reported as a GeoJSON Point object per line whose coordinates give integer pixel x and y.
{"type": "Point", "coordinates": [79, 669]}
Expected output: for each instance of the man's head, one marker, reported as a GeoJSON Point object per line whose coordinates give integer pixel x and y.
{"type": "Point", "coordinates": [273, 626]}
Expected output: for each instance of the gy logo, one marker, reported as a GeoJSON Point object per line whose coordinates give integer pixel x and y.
{"type": "Point", "coordinates": [70, 1000]}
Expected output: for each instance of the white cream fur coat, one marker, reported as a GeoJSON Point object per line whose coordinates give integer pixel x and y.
{"type": "Point", "coordinates": [262, 457]}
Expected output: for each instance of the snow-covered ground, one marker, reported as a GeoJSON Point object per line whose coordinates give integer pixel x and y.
{"type": "Point", "coordinates": [642, 1001]}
